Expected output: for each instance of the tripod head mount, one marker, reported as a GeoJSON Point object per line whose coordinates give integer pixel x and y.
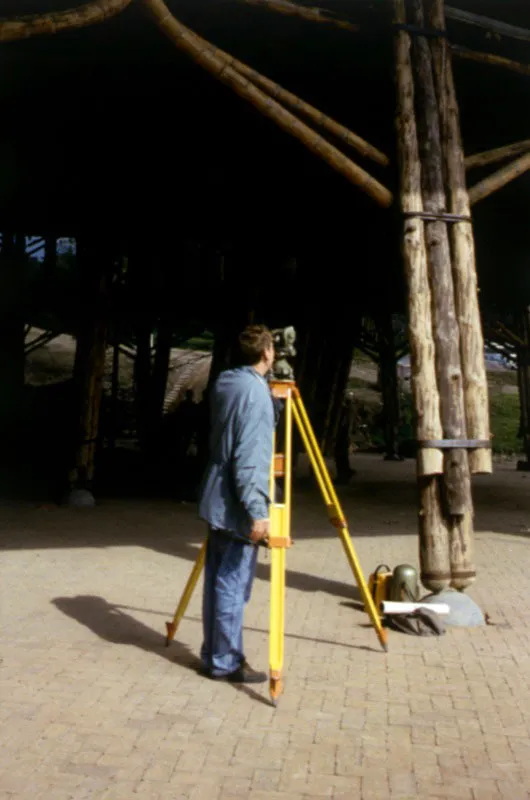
{"type": "Point", "coordinates": [284, 340]}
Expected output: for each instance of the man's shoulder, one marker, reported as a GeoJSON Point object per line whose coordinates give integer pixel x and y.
{"type": "Point", "coordinates": [243, 377]}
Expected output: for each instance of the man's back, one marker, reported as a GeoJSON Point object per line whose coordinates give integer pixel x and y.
{"type": "Point", "coordinates": [236, 483]}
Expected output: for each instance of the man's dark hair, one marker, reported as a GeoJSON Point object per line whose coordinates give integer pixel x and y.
{"type": "Point", "coordinates": [253, 342]}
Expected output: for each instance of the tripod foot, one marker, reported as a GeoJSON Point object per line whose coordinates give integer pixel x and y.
{"type": "Point", "coordinates": [171, 631]}
{"type": "Point", "coordinates": [275, 689]}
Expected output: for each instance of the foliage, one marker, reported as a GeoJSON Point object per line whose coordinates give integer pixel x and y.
{"type": "Point", "coordinates": [505, 423]}
{"type": "Point", "coordinates": [504, 409]}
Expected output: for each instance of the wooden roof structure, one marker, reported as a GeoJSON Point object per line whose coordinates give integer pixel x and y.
{"type": "Point", "coordinates": [269, 129]}
{"type": "Point", "coordinates": [110, 126]}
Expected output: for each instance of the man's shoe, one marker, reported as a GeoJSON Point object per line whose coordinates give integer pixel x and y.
{"type": "Point", "coordinates": [245, 674]}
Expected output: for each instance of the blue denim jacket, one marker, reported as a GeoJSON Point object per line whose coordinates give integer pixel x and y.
{"type": "Point", "coordinates": [235, 486]}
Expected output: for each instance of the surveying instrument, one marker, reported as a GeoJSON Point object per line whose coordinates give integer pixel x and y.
{"type": "Point", "coordinates": [283, 387]}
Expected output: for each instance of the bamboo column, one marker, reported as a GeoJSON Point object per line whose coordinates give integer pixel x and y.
{"type": "Point", "coordinates": [463, 249]}
{"type": "Point", "coordinates": [160, 373]}
{"type": "Point", "coordinates": [90, 358]}
{"type": "Point", "coordinates": [433, 527]}
{"type": "Point", "coordinates": [50, 256]}
{"type": "Point", "coordinates": [457, 483]}
{"type": "Point", "coordinates": [344, 358]}
{"type": "Point", "coordinates": [523, 379]}
{"type": "Point", "coordinates": [389, 383]}
{"type": "Point", "coordinates": [12, 306]}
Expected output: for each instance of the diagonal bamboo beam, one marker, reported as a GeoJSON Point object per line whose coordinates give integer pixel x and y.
{"type": "Point", "coordinates": [500, 330]}
{"type": "Point", "coordinates": [498, 154]}
{"type": "Point", "coordinates": [304, 12]}
{"type": "Point", "coordinates": [38, 24]}
{"type": "Point", "coordinates": [489, 58]}
{"type": "Point", "coordinates": [288, 98]}
{"type": "Point", "coordinates": [493, 25]}
{"type": "Point", "coordinates": [499, 179]}
{"type": "Point", "coordinates": [191, 44]}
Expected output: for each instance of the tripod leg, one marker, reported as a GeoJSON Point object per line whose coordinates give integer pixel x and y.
{"type": "Point", "coordinates": [186, 595]}
{"type": "Point", "coordinates": [277, 623]}
{"type": "Point", "coordinates": [335, 511]}
{"type": "Point", "coordinates": [279, 540]}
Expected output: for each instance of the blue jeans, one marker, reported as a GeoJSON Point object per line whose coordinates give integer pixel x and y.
{"type": "Point", "coordinates": [228, 577]}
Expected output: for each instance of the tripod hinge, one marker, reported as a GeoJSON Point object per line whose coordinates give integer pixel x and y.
{"type": "Point", "coordinates": [280, 541]}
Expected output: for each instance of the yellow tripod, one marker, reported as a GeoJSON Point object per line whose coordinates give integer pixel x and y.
{"type": "Point", "coordinates": [280, 539]}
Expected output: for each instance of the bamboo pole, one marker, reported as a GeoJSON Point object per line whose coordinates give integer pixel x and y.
{"type": "Point", "coordinates": [445, 328]}
{"type": "Point", "coordinates": [189, 43]}
{"type": "Point", "coordinates": [523, 380]}
{"type": "Point", "coordinates": [423, 375]}
{"type": "Point", "coordinates": [38, 24]}
{"type": "Point", "coordinates": [88, 372]}
{"type": "Point", "coordinates": [488, 58]}
{"type": "Point", "coordinates": [433, 529]}
{"type": "Point", "coordinates": [280, 94]}
{"type": "Point", "coordinates": [304, 12]}
{"type": "Point", "coordinates": [463, 251]}
{"type": "Point", "coordinates": [498, 154]}
{"type": "Point", "coordinates": [493, 25]}
{"type": "Point", "coordinates": [457, 482]}
{"type": "Point", "coordinates": [499, 179]}
{"type": "Point", "coordinates": [389, 383]}
{"type": "Point", "coordinates": [345, 362]}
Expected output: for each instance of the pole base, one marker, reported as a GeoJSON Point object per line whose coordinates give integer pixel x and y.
{"type": "Point", "coordinates": [171, 631]}
{"type": "Point", "coordinates": [275, 690]}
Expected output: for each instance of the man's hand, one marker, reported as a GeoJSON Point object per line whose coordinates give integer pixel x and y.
{"type": "Point", "coordinates": [260, 530]}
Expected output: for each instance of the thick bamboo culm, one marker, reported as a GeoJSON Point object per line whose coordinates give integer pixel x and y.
{"type": "Point", "coordinates": [490, 58]}
{"type": "Point", "coordinates": [38, 24]}
{"type": "Point", "coordinates": [498, 154]}
{"type": "Point", "coordinates": [499, 179]}
{"type": "Point", "coordinates": [433, 528]}
{"type": "Point", "coordinates": [423, 373]}
{"type": "Point", "coordinates": [445, 326]}
{"type": "Point", "coordinates": [203, 55]}
{"type": "Point", "coordinates": [457, 482]}
{"type": "Point", "coordinates": [304, 12]}
{"type": "Point", "coordinates": [475, 383]}
{"type": "Point", "coordinates": [280, 94]}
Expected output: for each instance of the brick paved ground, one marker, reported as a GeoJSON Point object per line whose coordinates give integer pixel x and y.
{"type": "Point", "coordinates": [94, 706]}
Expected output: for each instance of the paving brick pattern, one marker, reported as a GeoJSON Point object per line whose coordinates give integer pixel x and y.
{"type": "Point", "coordinates": [94, 706]}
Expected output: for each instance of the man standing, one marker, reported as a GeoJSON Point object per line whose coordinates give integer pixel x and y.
{"type": "Point", "coordinates": [234, 501]}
